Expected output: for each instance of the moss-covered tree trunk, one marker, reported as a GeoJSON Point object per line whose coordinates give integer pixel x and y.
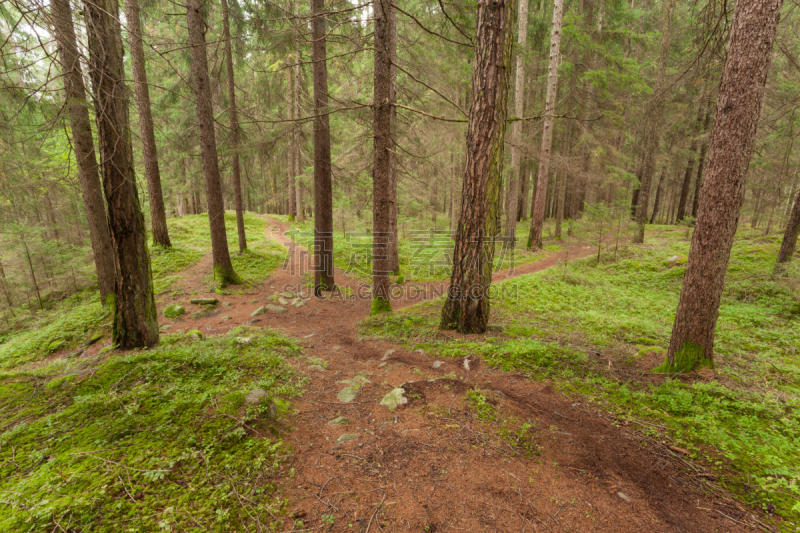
{"type": "Point", "coordinates": [83, 144]}
{"type": "Point", "coordinates": [158, 215]}
{"type": "Point", "coordinates": [789, 243]}
{"type": "Point", "coordinates": [741, 91]}
{"type": "Point", "coordinates": [234, 135]}
{"type": "Point", "coordinates": [466, 308]}
{"type": "Point", "coordinates": [323, 188]}
{"type": "Point", "coordinates": [223, 269]}
{"type": "Point", "coordinates": [135, 319]}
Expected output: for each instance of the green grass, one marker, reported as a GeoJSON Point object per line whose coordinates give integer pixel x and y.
{"type": "Point", "coordinates": [154, 440]}
{"type": "Point", "coordinates": [566, 324]}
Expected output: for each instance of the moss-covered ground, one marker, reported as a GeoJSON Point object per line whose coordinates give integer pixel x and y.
{"type": "Point", "coordinates": [599, 329]}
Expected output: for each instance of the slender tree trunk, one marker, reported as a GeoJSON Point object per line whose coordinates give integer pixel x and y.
{"type": "Point", "coordinates": [698, 184]}
{"type": "Point", "coordinates": [466, 308]}
{"type": "Point", "coordinates": [513, 193]}
{"type": "Point", "coordinates": [158, 215]}
{"type": "Point", "coordinates": [83, 145]}
{"type": "Point", "coordinates": [6, 292]}
{"type": "Point", "coordinates": [657, 201]}
{"type": "Point", "coordinates": [237, 178]}
{"type": "Point", "coordinates": [744, 77]}
{"type": "Point", "coordinates": [323, 189]}
{"type": "Point", "coordinates": [298, 163]}
{"type": "Point", "coordinates": [381, 186]}
{"type": "Point", "coordinates": [135, 319]}
{"type": "Point", "coordinates": [789, 244]}
{"type": "Point", "coordinates": [394, 255]}
{"type": "Point", "coordinates": [223, 269]}
{"type": "Point", "coordinates": [687, 177]}
{"type": "Point", "coordinates": [651, 140]}
{"type": "Point", "coordinates": [537, 218]}
{"type": "Point", "coordinates": [559, 200]}
{"type": "Point", "coordinates": [783, 172]}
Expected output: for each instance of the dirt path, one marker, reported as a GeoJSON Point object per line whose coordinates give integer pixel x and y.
{"type": "Point", "coordinates": [434, 464]}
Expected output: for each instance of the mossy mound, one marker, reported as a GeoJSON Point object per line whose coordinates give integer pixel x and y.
{"type": "Point", "coordinates": [174, 311]}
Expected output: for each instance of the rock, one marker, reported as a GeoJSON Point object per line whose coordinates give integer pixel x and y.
{"type": "Point", "coordinates": [420, 351]}
{"type": "Point", "coordinates": [227, 304]}
{"type": "Point", "coordinates": [676, 260]}
{"type": "Point", "coordinates": [194, 335]}
{"type": "Point", "coordinates": [244, 340]}
{"type": "Point", "coordinates": [347, 395]}
{"type": "Point", "coordinates": [437, 364]}
{"type": "Point", "coordinates": [495, 327]}
{"type": "Point", "coordinates": [253, 302]}
{"type": "Point", "coordinates": [297, 302]}
{"type": "Point", "coordinates": [96, 337]}
{"type": "Point", "coordinates": [288, 294]}
{"type": "Point", "coordinates": [204, 301]}
{"type": "Point", "coordinates": [395, 398]}
{"type": "Point", "coordinates": [255, 396]}
{"type": "Point", "coordinates": [387, 354]}
{"type": "Point", "coordinates": [381, 365]}
{"type": "Point", "coordinates": [283, 301]}
{"type": "Point", "coordinates": [466, 364]}
{"type": "Point", "coordinates": [174, 311]}
{"type": "Point", "coordinates": [260, 311]}
{"type": "Point", "coordinates": [623, 497]}
{"type": "Point", "coordinates": [339, 421]}
{"type": "Point", "coordinates": [275, 308]}
{"type": "Point", "coordinates": [55, 346]}
{"type": "Point", "coordinates": [225, 318]}
{"type": "Point", "coordinates": [346, 437]}
{"type": "Point", "coordinates": [317, 368]}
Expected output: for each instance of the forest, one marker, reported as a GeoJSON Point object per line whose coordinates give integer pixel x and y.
{"type": "Point", "coordinates": [399, 265]}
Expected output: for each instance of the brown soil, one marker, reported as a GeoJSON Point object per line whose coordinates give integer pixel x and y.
{"type": "Point", "coordinates": [436, 464]}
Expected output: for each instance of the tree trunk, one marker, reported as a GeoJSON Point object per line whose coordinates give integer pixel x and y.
{"type": "Point", "coordinates": [158, 215]}
{"type": "Point", "coordinates": [687, 177]}
{"type": "Point", "coordinates": [698, 184]}
{"type": "Point", "coordinates": [223, 269]}
{"type": "Point", "coordinates": [789, 243]}
{"type": "Point", "coordinates": [394, 242]}
{"type": "Point", "coordinates": [515, 176]}
{"type": "Point", "coordinates": [537, 217]}
{"type": "Point", "coordinates": [135, 319]}
{"type": "Point", "coordinates": [323, 189]}
{"type": "Point", "coordinates": [467, 306]}
{"type": "Point", "coordinates": [657, 201]}
{"type": "Point", "coordinates": [298, 164]}
{"type": "Point", "coordinates": [6, 292]}
{"type": "Point", "coordinates": [83, 144]}
{"type": "Point", "coordinates": [237, 178]}
{"type": "Point", "coordinates": [744, 77]}
{"type": "Point", "coordinates": [559, 200]}
{"type": "Point", "coordinates": [651, 139]}
{"type": "Point", "coordinates": [381, 194]}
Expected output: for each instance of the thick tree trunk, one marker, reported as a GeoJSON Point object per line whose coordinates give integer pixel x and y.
{"type": "Point", "coordinates": [744, 77]}
{"type": "Point", "coordinates": [223, 269]}
{"type": "Point", "coordinates": [467, 306]}
{"type": "Point", "coordinates": [83, 145]}
{"type": "Point", "coordinates": [381, 193]}
{"type": "Point", "coordinates": [234, 122]}
{"type": "Point", "coordinates": [513, 192]}
{"type": "Point", "coordinates": [651, 140]}
{"type": "Point", "coordinates": [158, 215]}
{"type": "Point", "coordinates": [789, 244]}
{"type": "Point", "coordinates": [537, 217]}
{"type": "Point", "coordinates": [135, 319]}
{"type": "Point", "coordinates": [323, 189]}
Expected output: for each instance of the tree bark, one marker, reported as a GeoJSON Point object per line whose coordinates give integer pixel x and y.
{"type": "Point", "coordinates": [298, 164]}
{"type": "Point", "coordinates": [83, 145]}
{"type": "Point", "coordinates": [744, 77]}
{"type": "Point", "coordinates": [323, 189]}
{"type": "Point", "coordinates": [789, 244]}
{"type": "Point", "coordinates": [513, 192]}
{"type": "Point", "coordinates": [158, 215]}
{"type": "Point", "coordinates": [651, 136]}
{"type": "Point", "coordinates": [687, 177]}
{"type": "Point", "coordinates": [698, 184]}
{"type": "Point", "coordinates": [394, 254]}
{"type": "Point", "coordinates": [135, 319]}
{"type": "Point", "coordinates": [537, 217]}
{"type": "Point", "coordinates": [223, 269]}
{"type": "Point", "coordinates": [657, 201]}
{"type": "Point", "coordinates": [381, 194]}
{"type": "Point", "coordinates": [466, 308]}
{"type": "Point", "coordinates": [234, 121]}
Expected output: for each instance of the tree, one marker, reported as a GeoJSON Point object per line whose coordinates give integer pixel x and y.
{"type": "Point", "coordinates": [223, 269]}
{"type": "Point", "coordinates": [730, 149]}
{"type": "Point", "coordinates": [466, 308]}
{"type": "Point", "coordinates": [234, 121]}
{"type": "Point", "coordinates": [537, 215]}
{"type": "Point", "coordinates": [323, 189]}
{"type": "Point", "coordinates": [394, 242]}
{"type": "Point", "coordinates": [83, 145]}
{"type": "Point", "coordinates": [135, 319]}
{"type": "Point", "coordinates": [158, 216]}
{"type": "Point", "coordinates": [789, 243]}
{"type": "Point", "coordinates": [381, 178]}
{"type": "Point", "coordinates": [513, 190]}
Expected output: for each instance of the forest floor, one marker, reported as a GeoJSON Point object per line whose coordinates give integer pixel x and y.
{"type": "Point", "coordinates": [470, 447]}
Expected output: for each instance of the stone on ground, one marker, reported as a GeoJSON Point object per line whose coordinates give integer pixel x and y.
{"type": "Point", "coordinates": [204, 301]}
{"type": "Point", "coordinates": [339, 421]}
{"type": "Point", "coordinates": [174, 311]}
{"type": "Point", "coordinates": [395, 398]}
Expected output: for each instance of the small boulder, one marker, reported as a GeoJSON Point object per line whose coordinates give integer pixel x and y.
{"type": "Point", "coordinates": [194, 335]}
{"type": "Point", "coordinates": [437, 364]}
{"type": "Point", "coordinates": [244, 340]}
{"type": "Point", "coordinates": [225, 318]}
{"type": "Point", "coordinates": [55, 346]}
{"type": "Point", "coordinates": [394, 399]}
{"type": "Point", "coordinates": [255, 396]}
{"type": "Point", "coordinates": [623, 497]}
{"type": "Point", "coordinates": [317, 368]}
{"type": "Point", "coordinates": [260, 311]}
{"type": "Point", "coordinates": [339, 421]}
{"type": "Point", "coordinates": [283, 301]}
{"type": "Point", "coordinates": [346, 437]}
{"type": "Point", "coordinates": [297, 302]}
{"type": "Point", "coordinates": [275, 308]}
{"type": "Point", "coordinates": [386, 355]}
{"type": "Point", "coordinates": [204, 301]}
{"type": "Point", "coordinates": [347, 395]}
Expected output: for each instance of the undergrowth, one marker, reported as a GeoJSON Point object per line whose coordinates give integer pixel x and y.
{"type": "Point", "coordinates": [160, 439]}
{"type": "Point", "coordinates": [589, 328]}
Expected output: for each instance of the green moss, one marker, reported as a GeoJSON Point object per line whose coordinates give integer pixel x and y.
{"type": "Point", "coordinates": [400, 280]}
{"type": "Point", "coordinates": [55, 346]}
{"type": "Point", "coordinates": [224, 278]}
{"type": "Point", "coordinates": [174, 311]}
{"type": "Point", "coordinates": [689, 358]}
{"type": "Point", "coordinates": [379, 306]}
